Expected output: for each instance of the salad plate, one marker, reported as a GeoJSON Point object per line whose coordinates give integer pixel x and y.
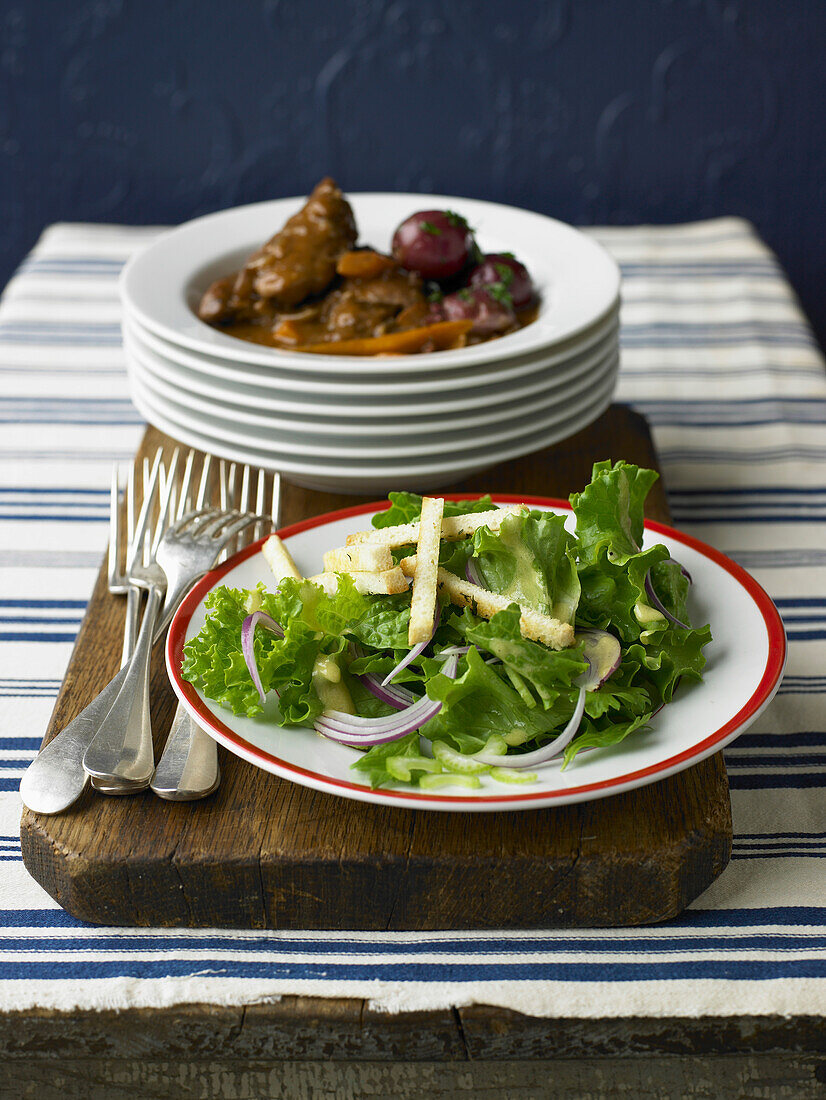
{"type": "Point", "coordinates": [578, 282]}
{"type": "Point", "coordinates": [745, 662]}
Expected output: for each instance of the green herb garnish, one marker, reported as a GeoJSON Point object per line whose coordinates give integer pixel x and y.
{"type": "Point", "coordinates": [429, 227]}
{"type": "Point", "coordinates": [456, 220]}
{"type": "Point", "coordinates": [500, 293]}
{"type": "Point", "coordinates": [505, 273]}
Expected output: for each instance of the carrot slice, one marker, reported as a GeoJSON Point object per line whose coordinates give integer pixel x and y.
{"type": "Point", "coordinates": [365, 264]}
{"type": "Point", "coordinates": [439, 336]}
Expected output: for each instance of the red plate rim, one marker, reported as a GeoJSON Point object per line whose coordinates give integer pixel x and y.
{"type": "Point", "coordinates": [772, 672]}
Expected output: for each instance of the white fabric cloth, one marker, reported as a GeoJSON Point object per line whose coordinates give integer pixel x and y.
{"type": "Point", "coordinates": [719, 358]}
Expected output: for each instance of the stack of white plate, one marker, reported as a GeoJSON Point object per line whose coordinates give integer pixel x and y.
{"type": "Point", "coordinates": [365, 424]}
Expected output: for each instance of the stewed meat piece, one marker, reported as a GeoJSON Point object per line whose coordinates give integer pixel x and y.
{"type": "Point", "coordinates": [358, 307]}
{"type": "Point", "coordinates": [298, 262]}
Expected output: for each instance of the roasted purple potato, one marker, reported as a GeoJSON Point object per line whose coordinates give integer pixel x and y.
{"type": "Point", "coordinates": [498, 267]}
{"type": "Point", "coordinates": [435, 243]}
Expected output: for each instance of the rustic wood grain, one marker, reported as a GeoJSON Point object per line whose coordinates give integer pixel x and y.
{"type": "Point", "coordinates": [265, 853]}
{"type": "Point", "coordinates": [616, 1078]}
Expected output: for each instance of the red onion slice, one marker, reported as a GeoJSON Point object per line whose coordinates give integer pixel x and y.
{"type": "Point", "coordinates": [247, 648]}
{"type": "Point", "coordinates": [547, 752]}
{"type": "Point", "coordinates": [414, 652]}
{"type": "Point", "coordinates": [350, 729]}
{"type": "Point", "coordinates": [394, 695]}
{"type": "Point", "coordinates": [603, 653]}
{"type": "Point", "coordinates": [472, 573]}
{"type": "Point", "coordinates": [658, 605]}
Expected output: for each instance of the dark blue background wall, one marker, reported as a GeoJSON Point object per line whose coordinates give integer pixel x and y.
{"type": "Point", "coordinates": [591, 110]}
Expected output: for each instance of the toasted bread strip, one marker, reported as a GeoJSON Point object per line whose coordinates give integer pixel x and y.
{"type": "Point", "coordinates": [387, 583]}
{"type": "Point", "coordinates": [358, 559]}
{"type": "Point", "coordinates": [534, 625]}
{"type": "Point", "coordinates": [279, 559]}
{"type": "Point", "coordinates": [423, 603]}
{"type": "Point", "coordinates": [453, 527]}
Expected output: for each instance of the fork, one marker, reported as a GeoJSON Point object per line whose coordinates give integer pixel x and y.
{"type": "Point", "coordinates": [122, 748]}
{"type": "Point", "coordinates": [119, 543]}
{"type": "Point", "coordinates": [119, 581]}
{"type": "Point", "coordinates": [56, 778]}
{"type": "Point", "coordinates": [188, 768]}
{"type": "Point", "coordinates": [122, 546]}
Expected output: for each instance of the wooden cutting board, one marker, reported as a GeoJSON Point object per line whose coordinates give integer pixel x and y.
{"type": "Point", "coordinates": [264, 853]}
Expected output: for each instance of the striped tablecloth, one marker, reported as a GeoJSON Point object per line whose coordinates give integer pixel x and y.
{"type": "Point", "coordinates": [719, 358]}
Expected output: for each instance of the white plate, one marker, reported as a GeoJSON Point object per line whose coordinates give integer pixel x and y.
{"type": "Point", "coordinates": [344, 418]}
{"type": "Point", "coordinates": [385, 385]}
{"type": "Point", "coordinates": [370, 476]}
{"type": "Point", "coordinates": [434, 449]}
{"type": "Point", "coordinates": [531, 414]}
{"type": "Point", "coordinates": [745, 664]}
{"type": "Point", "coordinates": [577, 279]}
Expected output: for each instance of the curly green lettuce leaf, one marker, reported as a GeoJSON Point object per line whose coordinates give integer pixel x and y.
{"type": "Point", "coordinates": [547, 671]}
{"type": "Point", "coordinates": [407, 507]}
{"type": "Point", "coordinates": [214, 662]}
{"type": "Point", "coordinates": [480, 703]}
{"type": "Point", "coordinates": [530, 559]}
{"type": "Point", "coordinates": [613, 594]}
{"type": "Point", "coordinates": [595, 736]}
{"type": "Point", "coordinates": [314, 623]}
{"type": "Point", "coordinates": [610, 510]}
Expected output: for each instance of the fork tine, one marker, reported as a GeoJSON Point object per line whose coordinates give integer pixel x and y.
{"type": "Point", "coordinates": [186, 481]}
{"type": "Point", "coordinates": [204, 482]}
{"type": "Point", "coordinates": [275, 511]}
{"type": "Point", "coordinates": [149, 489]}
{"type": "Point", "coordinates": [244, 505]}
{"type": "Point", "coordinates": [115, 530]}
{"type": "Point", "coordinates": [222, 468]}
{"type": "Point", "coordinates": [261, 492]}
{"type": "Point", "coordinates": [166, 500]}
{"type": "Point", "coordinates": [131, 502]}
{"type": "Point", "coordinates": [233, 474]}
{"type": "Point", "coordinates": [211, 527]}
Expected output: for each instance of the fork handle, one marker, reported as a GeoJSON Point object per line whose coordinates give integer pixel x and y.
{"type": "Point", "coordinates": [188, 768]}
{"type": "Point", "coordinates": [122, 747]}
{"type": "Point", "coordinates": [56, 777]}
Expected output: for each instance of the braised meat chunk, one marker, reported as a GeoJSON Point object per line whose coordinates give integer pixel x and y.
{"type": "Point", "coordinates": [301, 260]}
{"type": "Point", "coordinates": [297, 263]}
{"type": "Point", "coordinates": [358, 307]}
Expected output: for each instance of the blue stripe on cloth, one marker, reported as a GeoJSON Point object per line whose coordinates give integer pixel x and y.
{"type": "Point", "coordinates": [480, 969]}
{"type": "Point", "coordinates": [49, 517]}
{"type": "Point", "coordinates": [41, 602]}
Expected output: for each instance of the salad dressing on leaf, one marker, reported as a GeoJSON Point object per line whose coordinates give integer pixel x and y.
{"type": "Point", "coordinates": [329, 686]}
